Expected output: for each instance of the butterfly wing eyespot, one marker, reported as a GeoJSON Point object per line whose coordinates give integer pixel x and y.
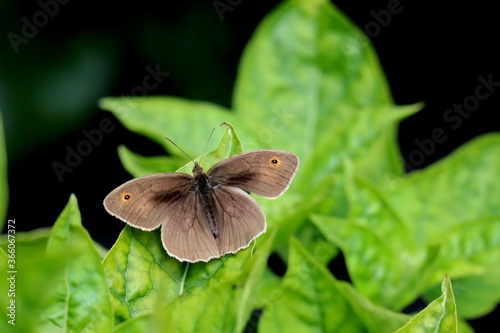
{"type": "Point", "coordinates": [275, 162]}
{"type": "Point", "coordinates": [126, 197]}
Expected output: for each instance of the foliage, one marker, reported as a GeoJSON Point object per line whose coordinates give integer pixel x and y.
{"type": "Point", "coordinates": [309, 82]}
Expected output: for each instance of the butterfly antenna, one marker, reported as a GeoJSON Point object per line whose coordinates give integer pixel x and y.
{"type": "Point", "coordinates": [180, 149]}
{"type": "Point", "coordinates": [204, 149]}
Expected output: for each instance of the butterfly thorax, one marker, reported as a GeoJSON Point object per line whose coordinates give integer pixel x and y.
{"type": "Point", "coordinates": [203, 189]}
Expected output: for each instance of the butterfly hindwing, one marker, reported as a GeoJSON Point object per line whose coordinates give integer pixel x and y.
{"type": "Point", "coordinates": [185, 233]}
{"type": "Point", "coordinates": [241, 219]}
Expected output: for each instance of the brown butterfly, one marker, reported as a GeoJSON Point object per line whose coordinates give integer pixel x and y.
{"type": "Point", "coordinates": [207, 215]}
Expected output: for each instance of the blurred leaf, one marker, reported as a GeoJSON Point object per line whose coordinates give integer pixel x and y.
{"type": "Point", "coordinates": [79, 298]}
{"type": "Point", "coordinates": [138, 324]}
{"type": "Point", "coordinates": [4, 190]}
{"type": "Point", "coordinates": [268, 293]}
{"type": "Point", "coordinates": [439, 316]}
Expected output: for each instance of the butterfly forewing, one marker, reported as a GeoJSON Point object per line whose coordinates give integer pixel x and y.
{"type": "Point", "coordinates": [267, 173]}
{"type": "Point", "coordinates": [142, 202]}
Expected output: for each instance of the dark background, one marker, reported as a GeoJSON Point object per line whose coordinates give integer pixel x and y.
{"type": "Point", "coordinates": [87, 50]}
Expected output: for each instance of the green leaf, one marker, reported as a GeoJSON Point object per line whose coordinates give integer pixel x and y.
{"type": "Point", "coordinates": [79, 300]}
{"type": "Point", "coordinates": [4, 190]}
{"type": "Point", "coordinates": [439, 316]}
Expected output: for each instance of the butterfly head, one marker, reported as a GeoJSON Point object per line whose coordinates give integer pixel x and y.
{"type": "Point", "coordinates": [197, 170]}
